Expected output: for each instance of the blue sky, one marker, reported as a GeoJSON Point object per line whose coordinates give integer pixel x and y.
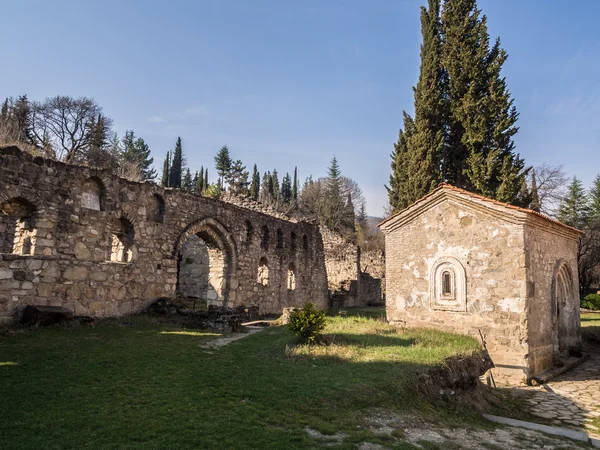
{"type": "Point", "coordinates": [286, 83]}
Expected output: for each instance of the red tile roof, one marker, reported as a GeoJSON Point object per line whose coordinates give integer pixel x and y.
{"type": "Point", "coordinates": [448, 186]}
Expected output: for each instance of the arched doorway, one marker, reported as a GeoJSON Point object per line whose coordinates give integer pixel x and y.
{"type": "Point", "coordinates": [563, 290]}
{"type": "Point", "coordinates": [206, 261]}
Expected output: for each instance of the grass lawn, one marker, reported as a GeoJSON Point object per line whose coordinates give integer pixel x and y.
{"type": "Point", "coordinates": [140, 383]}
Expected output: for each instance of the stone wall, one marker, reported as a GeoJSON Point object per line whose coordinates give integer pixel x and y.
{"type": "Point", "coordinates": [81, 216]}
{"type": "Point", "coordinates": [492, 254]}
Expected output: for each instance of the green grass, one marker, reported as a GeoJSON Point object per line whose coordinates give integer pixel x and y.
{"type": "Point", "coordinates": [590, 319]}
{"type": "Point", "coordinates": [144, 384]}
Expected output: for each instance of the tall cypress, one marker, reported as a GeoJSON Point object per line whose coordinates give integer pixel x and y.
{"type": "Point", "coordinates": [255, 184]}
{"type": "Point", "coordinates": [426, 143]}
{"type": "Point", "coordinates": [206, 183]}
{"type": "Point", "coordinates": [186, 181]}
{"type": "Point", "coordinates": [295, 186]}
{"type": "Point", "coordinates": [176, 166]}
{"type": "Point", "coordinates": [286, 189]}
{"type": "Point", "coordinates": [481, 116]}
{"type": "Point", "coordinates": [397, 190]}
{"type": "Point", "coordinates": [166, 175]}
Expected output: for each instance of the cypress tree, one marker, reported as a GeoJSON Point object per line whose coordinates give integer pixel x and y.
{"type": "Point", "coordinates": [255, 185]}
{"type": "Point", "coordinates": [206, 183]}
{"type": "Point", "coordinates": [271, 188]}
{"type": "Point", "coordinates": [286, 189]}
{"type": "Point", "coordinates": [276, 187]}
{"type": "Point", "coordinates": [535, 198]}
{"type": "Point", "coordinates": [295, 186]}
{"type": "Point", "coordinates": [481, 116]}
{"type": "Point", "coordinates": [264, 188]}
{"type": "Point", "coordinates": [196, 182]}
{"type": "Point", "coordinates": [186, 182]}
{"type": "Point", "coordinates": [177, 165]}
{"type": "Point", "coordinates": [398, 185]}
{"type": "Point", "coordinates": [166, 175]}
{"type": "Point", "coordinates": [426, 143]}
{"type": "Point", "coordinates": [594, 201]}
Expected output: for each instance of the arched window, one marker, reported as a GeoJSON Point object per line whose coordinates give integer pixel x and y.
{"type": "Point", "coordinates": [447, 285]}
{"type": "Point", "coordinates": [305, 242]}
{"type": "Point", "coordinates": [265, 238]}
{"type": "Point", "coordinates": [121, 241]}
{"type": "Point", "coordinates": [93, 194]}
{"type": "Point", "coordinates": [249, 231]}
{"type": "Point", "coordinates": [293, 241]}
{"type": "Point", "coordinates": [279, 238]}
{"type": "Point", "coordinates": [156, 209]}
{"type": "Point", "coordinates": [17, 219]}
{"type": "Point", "coordinates": [263, 272]}
{"type": "Point", "coordinates": [291, 278]}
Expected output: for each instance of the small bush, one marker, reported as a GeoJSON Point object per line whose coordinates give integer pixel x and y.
{"type": "Point", "coordinates": [307, 322]}
{"type": "Point", "coordinates": [591, 301]}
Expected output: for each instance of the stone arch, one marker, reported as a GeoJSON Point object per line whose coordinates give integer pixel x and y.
{"type": "Point", "coordinates": [17, 226]}
{"type": "Point", "coordinates": [156, 209]}
{"type": "Point", "coordinates": [564, 294]}
{"type": "Point", "coordinates": [207, 262]}
{"type": "Point", "coordinates": [448, 285]}
{"type": "Point", "coordinates": [93, 195]}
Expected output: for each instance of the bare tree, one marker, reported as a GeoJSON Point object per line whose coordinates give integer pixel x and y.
{"type": "Point", "coordinates": [64, 122]}
{"type": "Point", "coordinates": [551, 184]}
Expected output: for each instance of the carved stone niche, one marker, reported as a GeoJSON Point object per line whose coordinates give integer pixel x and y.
{"type": "Point", "coordinates": [448, 285]}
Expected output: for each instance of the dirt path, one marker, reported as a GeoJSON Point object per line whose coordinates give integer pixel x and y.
{"type": "Point", "coordinates": [221, 342]}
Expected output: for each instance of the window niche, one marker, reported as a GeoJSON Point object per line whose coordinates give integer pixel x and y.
{"type": "Point", "coordinates": [17, 227]}
{"type": "Point", "coordinates": [291, 278]}
{"type": "Point", "coordinates": [293, 241]}
{"type": "Point", "coordinates": [447, 285]}
{"type": "Point", "coordinates": [120, 243]}
{"type": "Point", "coordinates": [279, 238]}
{"type": "Point", "coordinates": [265, 238]}
{"type": "Point", "coordinates": [262, 277]}
{"type": "Point", "coordinates": [156, 209]}
{"type": "Point", "coordinates": [249, 231]}
{"type": "Point", "coordinates": [93, 194]}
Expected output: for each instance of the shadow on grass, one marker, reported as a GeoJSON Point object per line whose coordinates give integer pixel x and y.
{"type": "Point", "coordinates": [368, 340]}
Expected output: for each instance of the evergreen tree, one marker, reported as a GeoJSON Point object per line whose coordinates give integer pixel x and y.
{"type": "Point", "coordinates": [270, 188]}
{"type": "Point", "coordinates": [206, 183]}
{"type": "Point", "coordinates": [22, 118]}
{"type": "Point", "coordinates": [594, 201]}
{"type": "Point", "coordinates": [575, 209]}
{"type": "Point", "coordinates": [237, 178]}
{"type": "Point", "coordinates": [349, 215]}
{"type": "Point", "coordinates": [200, 181]}
{"type": "Point", "coordinates": [481, 116]}
{"type": "Point", "coordinates": [275, 191]}
{"type": "Point", "coordinates": [397, 190]}
{"type": "Point", "coordinates": [335, 207]}
{"type": "Point", "coordinates": [137, 151]}
{"type": "Point", "coordinates": [286, 189]}
{"type": "Point", "coordinates": [186, 182]}
{"type": "Point", "coordinates": [195, 182]}
{"type": "Point", "coordinates": [425, 145]}
{"type": "Point", "coordinates": [177, 166]}
{"type": "Point", "coordinates": [264, 194]}
{"type": "Point", "coordinates": [166, 174]}
{"type": "Point", "coordinates": [255, 185]}
{"type": "Point", "coordinates": [223, 164]}
{"type": "Point", "coordinates": [295, 186]}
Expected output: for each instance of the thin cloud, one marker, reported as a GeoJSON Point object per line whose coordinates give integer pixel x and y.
{"type": "Point", "coordinates": [156, 119]}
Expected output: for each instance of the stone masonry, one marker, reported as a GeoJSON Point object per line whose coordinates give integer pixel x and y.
{"type": "Point", "coordinates": [99, 245]}
{"type": "Point", "coordinates": [464, 263]}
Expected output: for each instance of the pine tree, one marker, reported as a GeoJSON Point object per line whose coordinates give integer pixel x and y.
{"type": "Point", "coordinates": [425, 145]}
{"type": "Point", "coordinates": [166, 174]}
{"type": "Point", "coordinates": [481, 116]}
{"type": "Point", "coordinates": [295, 187]}
{"type": "Point", "coordinates": [255, 185]}
{"type": "Point", "coordinates": [223, 164]}
{"type": "Point", "coordinates": [186, 182]}
{"type": "Point", "coordinates": [264, 194]}
{"type": "Point", "coordinates": [137, 151]}
{"type": "Point", "coordinates": [575, 209]}
{"type": "Point", "coordinates": [237, 178]}
{"type": "Point", "coordinates": [177, 165]}
{"type": "Point", "coordinates": [286, 189]}
{"type": "Point", "coordinates": [594, 201]}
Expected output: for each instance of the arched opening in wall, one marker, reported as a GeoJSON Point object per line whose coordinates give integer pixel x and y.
{"type": "Point", "coordinates": [17, 226]}
{"type": "Point", "coordinates": [563, 294]}
{"type": "Point", "coordinates": [293, 243]}
{"type": "Point", "coordinates": [120, 242]}
{"type": "Point", "coordinates": [249, 229]}
{"type": "Point", "coordinates": [279, 238]}
{"type": "Point", "coordinates": [262, 277]}
{"type": "Point", "coordinates": [448, 285]}
{"type": "Point", "coordinates": [305, 242]}
{"type": "Point", "coordinates": [203, 269]}
{"type": "Point", "coordinates": [93, 194]}
{"type": "Point", "coordinates": [264, 243]}
{"type": "Point", "coordinates": [291, 278]}
{"type": "Point", "coordinates": [156, 209]}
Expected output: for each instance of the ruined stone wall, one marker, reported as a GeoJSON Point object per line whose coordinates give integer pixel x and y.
{"type": "Point", "coordinates": [554, 326]}
{"type": "Point", "coordinates": [490, 252]}
{"type": "Point", "coordinates": [73, 233]}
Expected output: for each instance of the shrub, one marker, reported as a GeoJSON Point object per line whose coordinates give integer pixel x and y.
{"type": "Point", "coordinates": [591, 301]}
{"type": "Point", "coordinates": [307, 322]}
